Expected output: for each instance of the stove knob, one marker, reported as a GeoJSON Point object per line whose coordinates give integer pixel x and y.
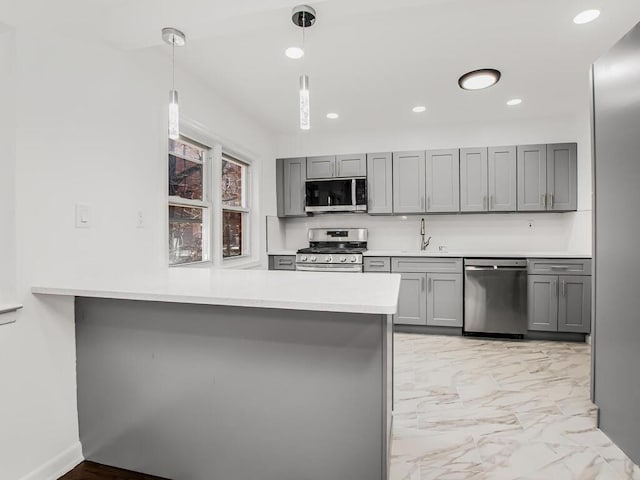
{"type": "Point", "coordinates": [353, 259]}
{"type": "Point", "coordinates": [313, 258]}
{"type": "Point", "coordinates": [328, 259]}
{"type": "Point", "coordinates": [303, 258]}
{"type": "Point", "coordinates": [343, 259]}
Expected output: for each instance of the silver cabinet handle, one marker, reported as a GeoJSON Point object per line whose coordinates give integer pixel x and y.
{"type": "Point", "coordinates": [551, 200]}
{"type": "Point", "coordinates": [429, 285]}
{"type": "Point", "coordinates": [422, 284]}
{"type": "Point", "coordinates": [564, 288]}
{"type": "Point", "coordinates": [333, 169]}
{"type": "Point", "coordinates": [559, 267]}
{"type": "Point", "coordinates": [338, 168]}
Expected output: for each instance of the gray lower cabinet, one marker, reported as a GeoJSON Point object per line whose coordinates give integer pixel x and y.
{"type": "Point", "coordinates": [321, 166]}
{"type": "Point", "coordinates": [282, 262]}
{"type": "Point", "coordinates": [562, 177]}
{"type": "Point", "coordinates": [560, 303]}
{"type": "Point", "coordinates": [412, 302]}
{"type": "Point", "coordinates": [380, 183]}
{"type": "Point", "coordinates": [409, 182]}
{"type": "Point", "coordinates": [474, 180]}
{"type": "Point", "coordinates": [502, 179]}
{"type": "Point", "coordinates": [351, 165]}
{"type": "Point", "coordinates": [574, 306]}
{"type": "Point", "coordinates": [291, 175]}
{"type": "Point", "coordinates": [377, 265]}
{"type": "Point", "coordinates": [532, 177]}
{"type": "Point", "coordinates": [444, 300]}
{"type": "Point", "coordinates": [443, 181]}
{"type": "Point", "coordinates": [543, 303]}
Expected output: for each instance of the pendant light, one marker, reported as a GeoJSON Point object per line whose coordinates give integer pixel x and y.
{"type": "Point", "coordinates": [175, 38]}
{"type": "Point", "coordinates": [304, 16]}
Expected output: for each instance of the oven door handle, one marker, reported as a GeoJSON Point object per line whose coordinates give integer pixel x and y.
{"type": "Point", "coordinates": [310, 268]}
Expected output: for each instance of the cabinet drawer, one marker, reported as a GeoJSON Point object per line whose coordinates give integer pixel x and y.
{"type": "Point", "coordinates": [427, 265]}
{"type": "Point", "coordinates": [578, 266]}
{"type": "Point", "coordinates": [283, 262]}
{"type": "Point", "coordinates": [377, 264]}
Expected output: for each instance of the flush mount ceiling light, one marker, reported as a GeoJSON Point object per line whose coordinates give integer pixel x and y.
{"type": "Point", "coordinates": [419, 109]}
{"type": "Point", "coordinates": [332, 116]}
{"type": "Point", "coordinates": [479, 79]}
{"type": "Point", "coordinates": [304, 16]}
{"type": "Point", "coordinates": [514, 101]}
{"type": "Point", "coordinates": [294, 53]}
{"type": "Point", "coordinates": [586, 17]}
{"type": "Point", "coordinates": [175, 38]}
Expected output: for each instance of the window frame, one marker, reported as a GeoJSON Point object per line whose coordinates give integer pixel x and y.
{"type": "Point", "coordinates": [245, 211]}
{"type": "Point", "coordinates": [206, 204]}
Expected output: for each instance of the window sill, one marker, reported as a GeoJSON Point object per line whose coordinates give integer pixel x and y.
{"type": "Point", "coordinates": [240, 262]}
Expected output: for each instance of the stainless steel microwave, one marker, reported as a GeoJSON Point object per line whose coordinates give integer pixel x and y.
{"type": "Point", "coordinates": [336, 195]}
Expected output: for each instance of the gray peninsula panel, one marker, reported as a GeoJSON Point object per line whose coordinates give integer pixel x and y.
{"type": "Point", "coordinates": [202, 392]}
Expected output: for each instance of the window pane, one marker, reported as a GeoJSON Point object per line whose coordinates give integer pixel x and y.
{"type": "Point", "coordinates": [185, 234]}
{"type": "Point", "coordinates": [185, 178]}
{"type": "Point", "coordinates": [232, 233]}
{"type": "Point", "coordinates": [233, 178]}
{"type": "Point", "coordinates": [186, 150]}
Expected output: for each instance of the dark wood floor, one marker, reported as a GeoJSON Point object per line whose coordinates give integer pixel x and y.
{"type": "Point", "coordinates": [95, 471]}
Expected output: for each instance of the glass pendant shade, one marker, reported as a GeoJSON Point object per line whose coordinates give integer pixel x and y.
{"type": "Point", "coordinates": [174, 115]}
{"type": "Point", "coordinates": [305, 120]}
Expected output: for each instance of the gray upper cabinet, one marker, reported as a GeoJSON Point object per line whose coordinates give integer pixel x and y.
{"type": "Point", "coordinates": [473, 180]}
{"type": "Point", "coordinates": [380, 183]}
{"type": "Point", "coordinates": [444, 300]}
{"type": "Point", "coordinates": [532, 177]}
{"type": "Point", "coordinates": [321, 167]}
{"type": "Point", "coordinates": [562, 176]}
{"type": "Point", "coordinates": [543, 303]}
{"type": "Point", "coordinates": [412, 301]}
{"type": "Point", "coordinates": [443, 181]}
{"type": "Point", "coordinates": [502, 179]}
{"type": "Point", "coordinates": [291, 174]}
{"type": "Point", "coordinates": [574, 308]}
{"type": "Point", "coordinates": [351, 165]}
{"type": "Point", "coordinates": [409, 182]}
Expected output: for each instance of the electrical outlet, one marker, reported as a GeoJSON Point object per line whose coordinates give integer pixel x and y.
{"type": "Point", "coordinates": [83, 217]}
{"type": "Point", "coordinates": [140, 219]}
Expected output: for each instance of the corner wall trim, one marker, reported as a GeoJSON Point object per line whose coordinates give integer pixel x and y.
{"type": "Point", "coordinates": [58, 465]}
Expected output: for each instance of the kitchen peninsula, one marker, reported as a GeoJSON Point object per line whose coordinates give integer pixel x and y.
{"type": "Point", "coordinates": [198, 374]}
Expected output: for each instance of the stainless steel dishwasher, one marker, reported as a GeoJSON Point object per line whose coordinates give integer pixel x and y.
{"type": "Point", "coordinates": [495, 296]}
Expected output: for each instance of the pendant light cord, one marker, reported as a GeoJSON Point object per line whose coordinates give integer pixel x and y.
{"type": "Point", "coordinates": [173, 63]}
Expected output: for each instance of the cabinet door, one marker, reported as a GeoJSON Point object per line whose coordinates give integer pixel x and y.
{"type": "Point", "coordinates": [409, 182]}
{"type": "Point", "coordinates": [412, 302]}
{"type": "Point", "coordinates": [502, 179]}
{"type": "Point", "coordinates": [562, 176]}
{"type": "Point", "coordinates": [321, 167]}
{"type": "Point", "coordinates": [532, 177]}
{"type": "Point", "coordinates": [351, 165]}
{"type": "Point", "coordinates": [379, 184]}
{"type": "Point", "coordinates": [574, 310]}
{"type": "Point", "coordinates": [543, 303]}
{"type": "Point", "coordinates": [295, 175]}
{"type": "Point", "coordinates": [443, 180]}
{"type": "Point", "coordinates": [444, 300]}
{"type": "Point", "coordinates": [473, 180]}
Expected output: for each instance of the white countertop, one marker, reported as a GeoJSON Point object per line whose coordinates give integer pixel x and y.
{"type": "Point", "coordinates": [458, 254]}
{"type": "Point", "coordinates": [325, 292]}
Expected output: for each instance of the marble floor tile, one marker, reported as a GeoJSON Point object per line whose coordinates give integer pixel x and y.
{"type": "Point", "coordinates": [483, 409]}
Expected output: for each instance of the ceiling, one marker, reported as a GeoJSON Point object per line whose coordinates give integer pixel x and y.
{"type": "Point", "coordinates": [370, 61]}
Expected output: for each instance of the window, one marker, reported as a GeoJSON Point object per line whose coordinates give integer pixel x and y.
{"type": "Point", "coordinates": [235, 207]}
{"type": "Point", "coordinates": [189, 209]}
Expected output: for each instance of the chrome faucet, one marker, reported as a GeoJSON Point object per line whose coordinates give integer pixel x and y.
{"type": "Point", "coordinates": [423, 244]}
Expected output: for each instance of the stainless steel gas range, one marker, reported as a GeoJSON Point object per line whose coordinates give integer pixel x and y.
{"type": "Point", "coordinates": [333, 250]}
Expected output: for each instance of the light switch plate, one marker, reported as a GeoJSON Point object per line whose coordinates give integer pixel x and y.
{"type": "Point", "coordinates": [83, 217]}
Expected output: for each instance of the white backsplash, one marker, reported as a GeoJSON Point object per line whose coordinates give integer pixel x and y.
{"type": "Point", "coordinates": [550, 232]}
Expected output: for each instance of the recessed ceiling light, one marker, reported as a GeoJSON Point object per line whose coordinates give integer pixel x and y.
{"type": "Point", "coordinates": [332, 116]}
{"type": "Point", "coordinates": [294, 52]}
{"type": "Point", "coordinates": [419, 109]}
{"type": "Point", "coordinates": [514, 101]}
{"type": "Point", "coordinates": [586, 17]}
{"type": "Point", "coordinates": [479, 79]}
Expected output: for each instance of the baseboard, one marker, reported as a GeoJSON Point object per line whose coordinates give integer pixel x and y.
{"type": "Point", "coordinates": [58, 465]}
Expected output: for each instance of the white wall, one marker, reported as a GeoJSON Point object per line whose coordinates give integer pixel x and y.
{"type": "Point", "coordinates": [90, 129]}
{"type": "Point", "coordinates": [7, 167]}
{"type": "Point", "coordinates": [494, 232]}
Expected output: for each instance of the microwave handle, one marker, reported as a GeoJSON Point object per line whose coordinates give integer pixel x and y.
{"type": "Point", "coordinates": [353, 192]}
